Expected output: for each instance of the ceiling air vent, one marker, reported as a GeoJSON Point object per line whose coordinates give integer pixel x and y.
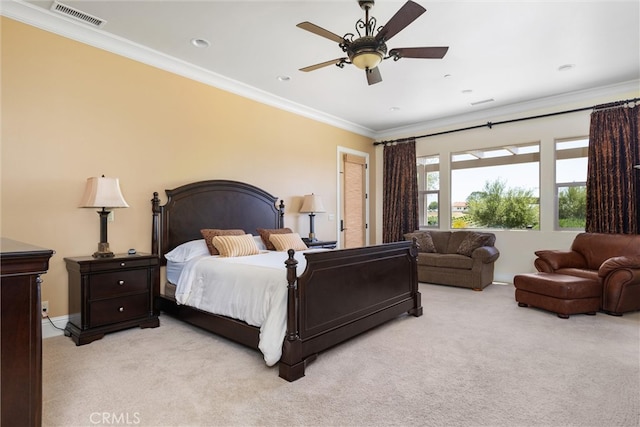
{"type": "Point", "coordinates": [77, 14]}
{"type": "Point", "coordinates": [484, 101]}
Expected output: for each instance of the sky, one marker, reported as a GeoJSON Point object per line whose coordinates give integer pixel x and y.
{"type": "Point", "coordinates": [523, 175]}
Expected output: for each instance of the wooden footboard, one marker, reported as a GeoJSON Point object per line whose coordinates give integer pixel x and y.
{"type": "Point", "coordinates": [344, 293]}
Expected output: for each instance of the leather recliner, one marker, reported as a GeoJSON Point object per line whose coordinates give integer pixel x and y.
{"type": "Point", "coordinates": [611, 259]}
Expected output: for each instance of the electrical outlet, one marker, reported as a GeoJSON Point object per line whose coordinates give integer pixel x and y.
{"type": "Point", "coordinates": [111, 217]}
{"type": "Point", "coordinates": [45, 308]}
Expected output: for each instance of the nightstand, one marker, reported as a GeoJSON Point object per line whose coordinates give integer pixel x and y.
{"type": "Point", "coordinates": [111, 294]}
{"type": "Point", "coordinates": [329, 244]}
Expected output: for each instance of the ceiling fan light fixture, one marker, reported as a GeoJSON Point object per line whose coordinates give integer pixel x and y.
{"type": "Point", "coordinates": [366, 52]}
{"type": "Point", "coordinates": [366, 60]}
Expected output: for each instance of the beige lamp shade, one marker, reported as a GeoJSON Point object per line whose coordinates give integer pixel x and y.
{"type": "Point", "coordinates": [102, 192]}
{"type": "Point", "coordinates": [312, 203]}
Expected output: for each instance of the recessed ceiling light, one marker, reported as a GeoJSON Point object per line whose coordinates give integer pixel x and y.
{"type": "Point", "coordinates": [566, 67]}
{"type": "Point", "coordinates": [467, 91]}
{"type": "Point", "coordinates": [200, 43]}
{"type": "Point", "coordinates": [392, 109]}
{"type": "Point", "coordinates": [283, 78]}
{"type": "Point", "coordinates": [447, 76]}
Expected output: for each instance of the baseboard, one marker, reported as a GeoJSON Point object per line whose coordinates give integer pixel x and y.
{"type": "Point", "coordinates": [48, 330]}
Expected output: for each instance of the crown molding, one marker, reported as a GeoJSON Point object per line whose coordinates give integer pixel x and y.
{"type": "Point", "coordinates": [46, 20]}
{"type": "Point", "coordinates": [588, 95]}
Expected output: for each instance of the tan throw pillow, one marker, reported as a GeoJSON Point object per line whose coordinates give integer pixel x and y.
{"type": "Point", "coordinates": [232, 246]}
{"type": "Point", "coordinates": [473, 241]}
{"type": "Point", "coordinates": [425, 241]}
{"type": "Point", "coordinates": [284, 242]}
{"type": "Point", "coordinates": [266, 232]}
{"type": "Point", "coordinates": [210, 233]}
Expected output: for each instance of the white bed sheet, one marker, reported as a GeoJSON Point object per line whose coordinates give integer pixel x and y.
{"type": "Point", "coordinates": [250, 288]}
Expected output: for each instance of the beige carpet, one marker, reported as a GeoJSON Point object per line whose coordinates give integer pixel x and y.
{"type": "Point", "coordinates": [472, 359]}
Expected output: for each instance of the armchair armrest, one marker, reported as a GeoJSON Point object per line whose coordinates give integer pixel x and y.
{"type": "Point", "coordinates": [486, 254]}
{"type": "Point", "coordinates": [630, 262]}
{"type": "Point", "coordinates": [550, 260]}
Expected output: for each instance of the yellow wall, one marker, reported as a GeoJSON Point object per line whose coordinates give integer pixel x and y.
{"type": "Point", "coordinates": [71, 111]}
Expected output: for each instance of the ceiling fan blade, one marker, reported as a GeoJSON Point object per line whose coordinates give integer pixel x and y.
{"type": "Point", "coordinates": [323, 64]}
{"type": "Point", "coordinates": [403, 17]}
{"type": "Point", "coordinates": [418, 52]}
{"type": "Point", "coordinates": [320, 31]}
{"type": "Point", "coordinates": [373, 76]}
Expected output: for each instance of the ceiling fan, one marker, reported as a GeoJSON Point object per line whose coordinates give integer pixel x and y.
{"type": "Point", "coordinates": [367, 50]}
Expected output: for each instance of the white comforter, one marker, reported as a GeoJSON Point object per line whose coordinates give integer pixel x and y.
{"type": "Point", "coordinates": [250, 288]}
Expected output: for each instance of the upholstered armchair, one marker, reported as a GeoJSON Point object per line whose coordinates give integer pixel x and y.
{"type": "Point", "coordinates": [611, 259]}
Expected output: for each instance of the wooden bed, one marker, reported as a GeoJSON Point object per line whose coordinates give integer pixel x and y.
{"type": "Point", "coordinates": [341, 293]}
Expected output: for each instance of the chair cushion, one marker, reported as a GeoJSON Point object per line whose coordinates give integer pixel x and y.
{"type": "Point", "coordinates": [558, 285]}
{"type": "Point", "coordinates": [460, 262]}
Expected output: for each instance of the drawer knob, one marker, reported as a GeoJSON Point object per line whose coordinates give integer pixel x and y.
{"type": "Point", "coordinates": [121, 309]}
{"type": "Point", "coordinates": [122, 264]}
{"type": "Point", "coordinates": [120, 282]}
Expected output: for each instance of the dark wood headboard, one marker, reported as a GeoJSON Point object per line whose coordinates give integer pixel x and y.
{"type": "Point", "coordinates": [211, 204]}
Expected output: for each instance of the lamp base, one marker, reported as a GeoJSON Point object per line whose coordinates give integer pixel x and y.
{"type": "Point", "coordinates": [103, 251]}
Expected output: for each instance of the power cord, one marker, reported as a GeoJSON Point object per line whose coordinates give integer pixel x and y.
{"type": "Point", "coordinates": [46, 316]}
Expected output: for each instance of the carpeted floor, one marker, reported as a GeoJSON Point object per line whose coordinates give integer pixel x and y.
{"type": "Point", "coordinates": [472, 359]}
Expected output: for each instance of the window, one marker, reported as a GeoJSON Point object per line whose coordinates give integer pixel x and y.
{"type": "Point", "coordinates": [429, 190]}
{"type": "Point", "coordinates": [496, 187]}
{"type": "Point", "coordinates": [571, 183]}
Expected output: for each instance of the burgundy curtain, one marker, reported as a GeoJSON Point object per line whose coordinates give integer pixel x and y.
{"type": "Point", "coordinates": [613, 184]}
{"type": "Point", "coordinates": [400, 191]}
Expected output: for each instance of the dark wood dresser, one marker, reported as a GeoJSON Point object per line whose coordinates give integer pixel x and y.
{"type": "Point", "coordinates": [111, 294]}
{"type": "Point", "coordinates": [21, 265]}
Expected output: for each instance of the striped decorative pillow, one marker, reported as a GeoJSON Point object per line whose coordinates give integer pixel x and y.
{"type": "Point", "coordinates": [284, 242]}
{"type": "Point", "coordinates": [232, 246]}
{"type": "Point", "coordinates": [265, 233]}
{"type": "Point", "coordinates": [210, 233]}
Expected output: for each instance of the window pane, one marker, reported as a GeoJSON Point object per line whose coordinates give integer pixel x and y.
{"type": "Point", "coordinates": [432, 209]}
{"type": "Point", "coordinates": [572, 207]}
{"type": "Point", "coordinates": [498, 189]}
{"type": "Point", "coordinates": [571, 170]}
{"type": "Point", "coordinates": [571, 177]}
{"type": "Point", "coordinates": [428, 190]}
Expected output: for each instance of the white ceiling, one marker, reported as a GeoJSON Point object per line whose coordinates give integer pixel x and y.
{"type": "Point", "coordinates": [508, 51]}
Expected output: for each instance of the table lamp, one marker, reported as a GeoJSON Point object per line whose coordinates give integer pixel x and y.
{"type": "Point", "coordinates": [312, 204]}
{"type": "Point", "coordinates": [104, 193]}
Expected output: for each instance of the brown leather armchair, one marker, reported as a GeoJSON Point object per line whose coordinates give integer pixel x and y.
{"type": "Point", "coordinates": [611, 259]}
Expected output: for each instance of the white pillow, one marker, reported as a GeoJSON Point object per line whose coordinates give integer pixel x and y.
{"type": "Point", "coordinates": [259, 243]}
{"type": "Point", "coordinates": [188, 251]}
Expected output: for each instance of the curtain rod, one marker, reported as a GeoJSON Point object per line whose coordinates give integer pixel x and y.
{"type": "Point", "coordinates": [491, 124]}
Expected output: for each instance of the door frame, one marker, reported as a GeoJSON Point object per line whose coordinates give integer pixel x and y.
{"type": "Point", "coordinates": [340, 152]}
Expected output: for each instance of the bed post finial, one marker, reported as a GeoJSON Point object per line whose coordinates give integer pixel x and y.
{"type": "Point", "coordinates": [414, 247]}
{"type": "Point", "coordinates": [155, 224]}
{"type": "Point", "coordinates": [281, 214]}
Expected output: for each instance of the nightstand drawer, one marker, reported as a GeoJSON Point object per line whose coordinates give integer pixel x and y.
{"type": "Point", "coordinates": [116, 310]}
{"type": "Point", "coordinates": [106, 285]}
{"type": "Point", "coordinates": [122, 263]}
